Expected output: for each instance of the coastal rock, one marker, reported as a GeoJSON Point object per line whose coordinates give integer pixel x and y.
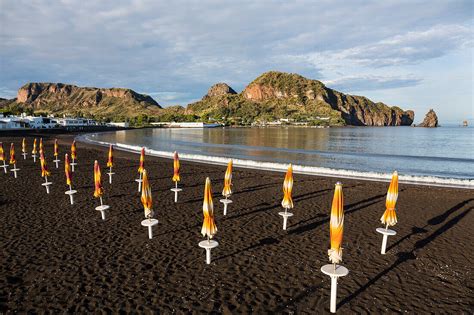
{"type": "Point", "coordinates": [430, 121]}
{"type": "Point", "coordinates": [59, 98]}
{"type": "Point", "coordinates": [275, 95]}
{"type": "Point", "coordinates": [218, 90]}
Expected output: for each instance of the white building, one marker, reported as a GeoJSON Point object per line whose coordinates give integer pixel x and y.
{"type": "Point", "coordinates": [118, 124]}
{"type": "Point", "coordinates": [39, 122]}
{"type": "Point", "coordinates": [76, 122]}
{"type": "Point", "coordinates": [12, 123]}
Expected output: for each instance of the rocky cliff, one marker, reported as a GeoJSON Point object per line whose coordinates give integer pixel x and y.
{"type": "Point", "coordinates": [276, 95]}
{"type": "Point", "coordinates": [58, 98]}
{"type": "Point", "coordinates": [430, 121]}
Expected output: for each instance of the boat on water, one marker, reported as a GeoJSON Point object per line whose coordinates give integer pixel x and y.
{"type": "Point", "coordinates": [188, 125]}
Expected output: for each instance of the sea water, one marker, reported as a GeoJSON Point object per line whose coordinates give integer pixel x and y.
{"type": "Point", "coordinates": [442, 155]}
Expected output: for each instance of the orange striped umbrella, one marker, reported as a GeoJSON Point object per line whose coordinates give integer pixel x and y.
{"type": "Point", "coordinates": [389, 218]}
{"type": "Point", "coordinates": [23, 146]}
{"type": "Point", "coordinates": [110, 160]}
{"type": "Point", "coordinates": [44, 167]}
{"type": "Point", "coordinates": [73, 151]}
{"type": "Point", "coordinates": [67, 170]}
{"type": "Point", "coordinates": [287, 201]}
{"type": "Point", "coordinates": [12, 154]}
{"type": "Point", "coordinates": [41, 145]}
{"type": "Point", "coordinates": [176, 167]}
{"type": "Point", "coordinates": [336, 227]}
{"type": "Point", "coordinates": [141, 167]}
{"type": "Point", "coordinates": [34, 148]}
{"type": "Point", "coordinates": [98, 191]}
{"type": "Point", "coordinates": [208, 226]}
{"type": "Point", "coordinates": [146, 199]}
{"type": "Point", "coordinates": [56, 153]}
{"type": "Point", "coordinates": [227, 191]}
{"type": "Point", "coordinates": [2, 152]}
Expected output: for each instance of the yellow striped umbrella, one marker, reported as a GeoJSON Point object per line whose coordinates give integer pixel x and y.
{"type": "Point", "coordinates": [44, 167]}
{"type": "Point", "coordinates": [287, 201]}
{"type": "Point", "coordinates": [227, 191]}
{"type": "Point", "coordinates": [73, 151]}
{"type": "Point", "coordinates": [110, 159]}
{"type": "Point", "coordinates": [389, 218]}
{"type": "Point", "coordinates": [209, 228]}
{"type": "Point", "coordinates": [56, 153]}
{"type": "Point", "coordinates": [23, 146]}
{"type": "Point", "coordinates": [2, 152]}
{"type": "Point", "coordinates": [176, 167]}
{"type": "Point", "coordinates": [67, 170]}
{"type": "Point", "coordinates": [141, 167]}
{"type": "Point", "coordinates": [12, 154]}
{"type": "Point", "coordinates": [34, 151]}
{"type": "Point", "coordinates": [146, 199]}
{"type": "Point", "coordinates": [98, 191]}
{"type": "Point", "coordinates": [336, 227]}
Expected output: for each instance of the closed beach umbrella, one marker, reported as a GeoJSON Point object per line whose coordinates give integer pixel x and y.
{"type": "Point", "coordinates": [34, 147]}
{"type": "Point", "coordinates": [73, 151]}
{"type": "Point", "coordinates": [176, 166]}
{"type": "Point", "coordinates": [34, 151]}
{"type": "Point", "coordinates": [110, 159]}
{"type": "Point", "coordinates": [44, 167]}
{"type": "Point", "coordinates": [67, 171]}
{"type": "Point", "coordinates": [2, 158]}
{"type": "Point", "coordinates": [389, 218]}
{"type": "Point", "coordinates": [73, 155]}
{"type": "Point", "coordinates": [227, 191]}
{"type": "Point", "coordinates": [141, 167]}
{"type": "Point", "coordinates": [146, 199]}
{"type": "Point", "coordinates": [23, 148]}
{"type": "Point", "coordinates": [12, 154]}
{"type": "Point", "coordinates": [56, 153]}
{"type": "Point", "coordinates": [41, 145]}
{"type": "Point", "coordinates": [98, 190]}
{"type": "Point", "coordinates": [209, 228]}
{"type": "Point", "coordinates": [12, 160]}
{"type": "Point", "coordinates": [287, 201]}
{"type": "Point", "coordinates": [336, 227]}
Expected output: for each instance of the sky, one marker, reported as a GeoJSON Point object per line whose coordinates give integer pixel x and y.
{"type": "Point", "coordinates": [413, 54]}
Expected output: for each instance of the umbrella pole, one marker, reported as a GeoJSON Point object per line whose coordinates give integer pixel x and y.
{"type": "Point", "coordinates": [140, 183]}
{"type": "Point", "coordinates": [4, 166]}
{"type": "Point", "coordinates": [71, 196]}
{"type": "Point", "coordinates": [14, 170]}
{"type": "Point", "coordinates": [34, 158]}
{"type": "Point", "coordinates": [176, 192]}
{"type": "Point", "coordinates": [72, 165]}
{"type": "Point", "coordinates": [101, 203]}
{"type": "Point", "coordinates": [333, 292]}
{"type": "Point", "coordinates": [110, 176]}
{"type": "Point", "coordinates": [46, 182]}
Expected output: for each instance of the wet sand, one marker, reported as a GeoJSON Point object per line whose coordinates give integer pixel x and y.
{"type": "Point", "coordinates": [59, 257]}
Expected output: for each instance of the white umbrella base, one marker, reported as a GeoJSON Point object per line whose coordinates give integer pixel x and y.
{"type": "Point", "coordinates": [386, 233]}
{"type": "Point", "coordinates": [285, 216]}
{"type": "Point", "coordinates": [102, 209]}
{"type": "Point", "coordinates": [72, 166]}
{"type": "Point", "coordinates": [225, 202]}
{"type": "Point", "coordinates": [334, 273]}
{"type": "Point", "coordinates": [34, 157]}
{"type": "Point", "coordinates": [176, 191]}
{"type": "Point", "coordinates": [208, 245]}
{"type": "Point", "coordinates": [5, 168]}
{"type": "Point", "coordinates": [24, 155]}
{"type": "Point", "coordinates": [150, 223]}
{"type": "Point", "coordinates": [71, 195]}
{"type": "Point", "coordinates": [56, 162]}
{"type": "Point", "coordinates": [14, 170]}
{"type": "Point", "coordinates": [47, 184]}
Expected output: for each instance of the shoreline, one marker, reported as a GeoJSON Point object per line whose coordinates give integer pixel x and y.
{"type": "Point", "coordinates": [298, 169]}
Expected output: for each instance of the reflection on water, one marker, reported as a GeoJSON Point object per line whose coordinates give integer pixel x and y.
{"type": "Point", "coordinates": [445, 152]}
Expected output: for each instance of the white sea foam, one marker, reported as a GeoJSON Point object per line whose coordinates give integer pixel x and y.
{"type": "Point", "coordinates": [298, 169]}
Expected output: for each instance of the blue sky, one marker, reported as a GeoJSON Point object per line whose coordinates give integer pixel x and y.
{"type": "Point", "coordinates": [413, 54]}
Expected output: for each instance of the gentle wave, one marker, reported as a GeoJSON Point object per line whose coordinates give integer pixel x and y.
{"type": "Point", "coordinates": [308, 170]}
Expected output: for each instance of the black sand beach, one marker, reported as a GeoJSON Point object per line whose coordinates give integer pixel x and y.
{"type": "Point", "coordinates": [61, 258]}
